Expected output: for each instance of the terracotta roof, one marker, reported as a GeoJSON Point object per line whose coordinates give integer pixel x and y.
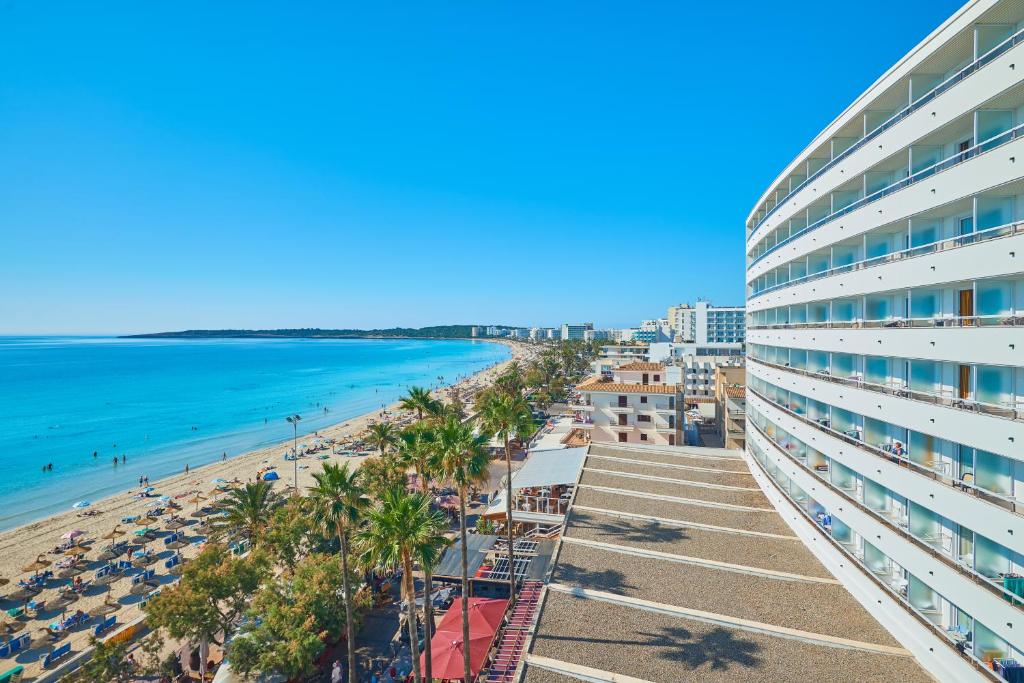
{"type": "Point", "coordinates": [619, 388]}
{"type": "Point", "coordinates": [637, 365]}
{"type": "Point", "coordinates": [735, 392]}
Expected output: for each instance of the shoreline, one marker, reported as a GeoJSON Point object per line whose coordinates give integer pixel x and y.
{"type": "Point", "coordinates": [343, 428]}
{"type": "Point", "coordinates": [20, 545]}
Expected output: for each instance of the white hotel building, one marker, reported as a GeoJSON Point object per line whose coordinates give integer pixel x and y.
{"type": "Point", "coordinates": [885, 344]}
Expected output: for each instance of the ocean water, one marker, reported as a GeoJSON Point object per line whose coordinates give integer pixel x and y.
{"type": "Point", "coordinates": [166, 402]}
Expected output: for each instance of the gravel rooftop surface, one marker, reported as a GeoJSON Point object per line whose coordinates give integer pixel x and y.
{"type": "Point", "coordinates": [730, 465]}
{"type": "Point", "coordinates": [718, 477]}
{"type": "Point", "coordinates": [763, 553]}
{"type": "Point", "coordinates": [667, 649]}
{"type": "Point", "coordinates": [767, 522]}
{"type": "Point", "coordinates": [532, 674]}
{"type": "Point", "coordinates": [827, 609]}
{"type": "Point", "coordinates": [669, 488]}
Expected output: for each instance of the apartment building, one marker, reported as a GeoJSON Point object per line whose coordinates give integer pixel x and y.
{"type": "Point", "coordinates": [731, 406]}
{"type": "Point", "coordinates": [638, 403]}
{"type": "Point", "coordinates": [704, 323]}
{"type": "Point", "coordinates": [885, 345]}
{"type": "Point", "coordinates": [575, 331]}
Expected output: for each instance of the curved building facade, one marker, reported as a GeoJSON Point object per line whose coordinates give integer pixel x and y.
{"type": "Point", "coordinates": [885, 345]}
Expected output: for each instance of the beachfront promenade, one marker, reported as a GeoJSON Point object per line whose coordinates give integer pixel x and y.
{"type": "Point", "coordinates": [123, 549]}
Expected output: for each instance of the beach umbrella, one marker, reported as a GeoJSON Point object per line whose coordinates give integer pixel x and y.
{"type": "Point", "coordinates": [76, 550]}
{"type": "Point", "coordinates": [40, 563]}
{"type": "Point", "coordinates": [114, 533]}
{"type": "Point", "coordinates": [72, 535]}
{"type": "Point", "coordinates": [271, 476]}
{"type": "Point", "coordinates": [4, 581]}
{"type": "Point", "coordinates": [142, 521]}
{"type": "Point", "coordinates": [69, 572]}
{"type": "Point", "coordinates": [144, 532]}
{"type": "Point", "coordinates": [106, 608]}
{"type": "Point", "coordinates": [81, 504]}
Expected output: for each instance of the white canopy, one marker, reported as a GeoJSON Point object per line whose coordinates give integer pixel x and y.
{"type": "Point", "coordinates": [549, 467]}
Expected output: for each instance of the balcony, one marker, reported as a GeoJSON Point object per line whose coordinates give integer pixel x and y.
{"type": "Point", "coordinates": [1008, 230]}
{"type": "Point", "coordinates": [853, 437]}
{"type": "Point", "coordinates": [956, 159]}
{"type": "Point", "coordinates": [924, 99]}
{"type": "Point", "coordinates": [899, 389]}
{"type": "Point", "coordinates": [898, 322]}
{"type": "Point", "coordinates": [588, 407]}
{"type": "Point", "coordinates": [898, 521]}
{"type": "Point", "coordinates": [582, 423]}
{"type": "Point", "coordinates": [620, 410]}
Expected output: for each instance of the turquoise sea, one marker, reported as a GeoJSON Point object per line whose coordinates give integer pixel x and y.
{"type": "Point", "coordinates": [166, 402]}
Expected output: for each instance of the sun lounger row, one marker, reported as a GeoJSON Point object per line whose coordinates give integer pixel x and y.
{"type": "Point", "coordinates": [104, 626]}
{"type": "Point", "coordinates": [73, 621]}
{"type": "Point", "coordinates": [15, 645]}
{"type": "Point", "coordinates": [59, 653]}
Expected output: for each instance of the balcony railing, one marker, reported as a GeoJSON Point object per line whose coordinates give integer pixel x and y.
{"type": "Point", "coordinates": [898, 389]}
{"type": "Point", "coordinates": [853, 438]}
{"type": "Point", "coordinates": [949, 162]}
{"type": "Point", "coordinates": [900, 524]}
{"type": "Point", "coordinates": [924, 99]}
{"type": "Point", "coordinates": [1008, 320]}
{"type": "Point", "coordinates": [1008, 230]}
{"type": "Point", "coordinates": [879, 578]}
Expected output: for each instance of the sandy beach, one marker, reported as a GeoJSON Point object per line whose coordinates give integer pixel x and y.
{"type": "Point", "coordinates": [20, 546]}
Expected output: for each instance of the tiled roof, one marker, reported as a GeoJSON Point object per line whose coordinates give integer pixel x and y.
{"type": "Point", "coordinates": [735, 392]}
{"type": "Point", "coordinates": [619, 388]}
{"type": "Point", "coordinates": [637, 365]}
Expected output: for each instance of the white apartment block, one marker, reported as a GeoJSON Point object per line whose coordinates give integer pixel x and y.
{"type": "Point", "coordinates": [575, 331]}
{"type": "Point", "coordinates": [639, 403]}
{"type": "Point", "coordinates": [885, 340]}
{"type": "Point", "coordinates": [707, 324]}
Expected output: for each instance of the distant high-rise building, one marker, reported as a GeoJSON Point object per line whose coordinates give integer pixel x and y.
{"type": "Point", "coordinates": [706, 324]}
{"type": "Point", "coordinates": [574, 331]}
{"type": "Point", "coordinates": [474, 331]}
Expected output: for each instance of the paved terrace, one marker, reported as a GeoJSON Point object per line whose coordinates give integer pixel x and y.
{"type": "Point", "coordinates": [674, 567]}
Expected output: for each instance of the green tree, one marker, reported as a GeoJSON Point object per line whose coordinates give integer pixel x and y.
{"type": "Point", "coordinates": [292, 533]}
{"type": "Point", "coordinates": [383, 436]}
{"type": "Point", "coordinates": [508, 417]}
{"type": "Point", "coordinates": [382, 474]}
{"type": "Point", "coordinates": [107, 665]}
{"type": "Point", "coordinates": [420, 401]}
{"type": "Point", "coordinates": [338, 502]}
{"type": "Point", "coordinates": [484, 526]}
{"type": "Point", "coordinates": [462, 457]}
{"type": "Point", "coordinates": [402, 529]}
{"type": "Point", "coordinates": [293, 619]}
{"type": "Point", "coordinates": [247, 510]}
{"type": "Point", "coordinates": [212, 595]}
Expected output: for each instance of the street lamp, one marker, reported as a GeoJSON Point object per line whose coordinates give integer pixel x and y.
{"type": "Point", "coordinates": [294, 421]}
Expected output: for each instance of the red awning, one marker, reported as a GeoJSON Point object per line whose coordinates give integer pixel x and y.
{"type": "Point", "coordinates": [446, 647]}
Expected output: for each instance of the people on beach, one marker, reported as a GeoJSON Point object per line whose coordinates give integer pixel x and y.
{"type": "Point", "coordinates": [224, 456]}
{"type": "Point", "coordinates": [186, 468]}
{"type": "Point", "coordinates": [115, 461]}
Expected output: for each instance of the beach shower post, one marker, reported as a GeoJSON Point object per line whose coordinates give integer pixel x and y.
{"type": "Point", "coordinates": [294, 421]}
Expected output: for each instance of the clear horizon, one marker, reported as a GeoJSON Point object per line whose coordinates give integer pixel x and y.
{"type": "Point", "coordinates": [240, 166]}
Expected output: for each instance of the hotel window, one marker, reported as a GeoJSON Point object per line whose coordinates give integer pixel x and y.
{"type": "Point", "coordinates": [622, 437]}
{"type": "Point", "coordinates": [643, 418]}
{"type": "Point", "coordinates": [643, 437]}
{"type": "Point", "coordinates": [643, 399]}
{"type": "Point", "coordinates": [657, 378]}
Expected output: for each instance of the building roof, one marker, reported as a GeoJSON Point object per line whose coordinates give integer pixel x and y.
{"type": "Point", "coordinates": [597, 384]}
{"type": "Point", "coordinates": [736, 392]}
{"type": "Point", "coordinates": [674, 566]}
{"type": "Point", "coordinates": [637, 365]}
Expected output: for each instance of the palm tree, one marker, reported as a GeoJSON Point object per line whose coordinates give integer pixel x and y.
{"type": "Point", "coordinates": [382, 436]}
{"type": "Point", "coordinates": [420, 400]}
{"type": "Point", "coordinates": [506, 417]}
{"type": "Point", "coordinates": [461, 456]}
{"type": "Point", "coordinates": [416, 450]}
{"type": "Point", "coordinates": [247, 509]}
{"type": "Point", "coordinates": [339, 501]}
{"type": "Point", "coordinates": [402, 529]}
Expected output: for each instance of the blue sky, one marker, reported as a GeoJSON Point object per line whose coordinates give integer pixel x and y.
{"type": "Point", "coordinates": [186, 165]}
